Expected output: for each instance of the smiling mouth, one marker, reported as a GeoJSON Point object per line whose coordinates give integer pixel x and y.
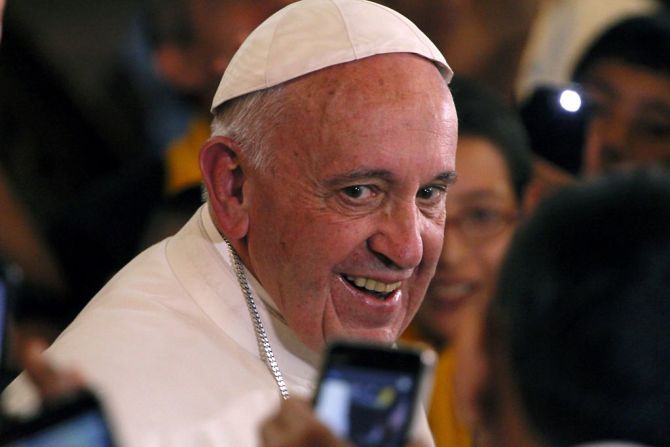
{"type": "Point", "coordinates": [450, 295]}
{"type": "Point", "coordinates": [378, 289]}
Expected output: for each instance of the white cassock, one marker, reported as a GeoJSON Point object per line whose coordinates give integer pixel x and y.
{"type": "Point", "coordinates": [169, 346]}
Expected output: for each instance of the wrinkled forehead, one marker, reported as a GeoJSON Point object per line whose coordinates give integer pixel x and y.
{"type": "Point", "coordinates": [401, 79]}
{"type": "Point", "coordinates": [384, 109]}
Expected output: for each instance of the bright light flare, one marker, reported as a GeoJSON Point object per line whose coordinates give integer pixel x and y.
{"type": "Point", "coordinates": [570, 100]}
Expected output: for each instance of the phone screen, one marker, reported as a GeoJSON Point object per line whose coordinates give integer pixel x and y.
{"type": "Point", "coordinates": [367, 395]}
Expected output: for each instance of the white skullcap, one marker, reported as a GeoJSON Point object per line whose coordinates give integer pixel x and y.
{"type": "Point", "coordinates": [309, 35]}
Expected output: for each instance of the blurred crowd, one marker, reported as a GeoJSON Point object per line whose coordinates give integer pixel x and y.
{"type": "Point", "coordinates": [548, 93]}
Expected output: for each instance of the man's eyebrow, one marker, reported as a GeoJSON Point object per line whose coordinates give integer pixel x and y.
{"type": "Point", "coordinates": [449, 177]}
{"type": "Point", "coordinates": [360, 174]}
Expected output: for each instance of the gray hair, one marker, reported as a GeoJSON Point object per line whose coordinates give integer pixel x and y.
{"type": "Point", "coordinates": [250, 121]}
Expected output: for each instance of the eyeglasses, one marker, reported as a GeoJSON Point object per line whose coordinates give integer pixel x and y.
{"type": "Point", "coordinates": [479, 224]}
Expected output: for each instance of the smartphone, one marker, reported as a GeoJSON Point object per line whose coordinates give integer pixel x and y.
{"type": "Point", "coordinates": [78, 421]}
{"type": "Point", "coordinates": [369, 394]}
{"type": "Point", "coordinates": [555, 118]}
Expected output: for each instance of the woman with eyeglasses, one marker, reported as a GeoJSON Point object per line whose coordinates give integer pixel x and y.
{"type": "Point", "coordinates": [493, 162]}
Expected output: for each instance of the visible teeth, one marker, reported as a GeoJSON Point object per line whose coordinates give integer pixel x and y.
{"type": "Point", "coordinates": [373, 285]}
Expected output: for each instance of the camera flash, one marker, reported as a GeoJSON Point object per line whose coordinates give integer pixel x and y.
{"type": "Point", "coordinates": [570, 100]}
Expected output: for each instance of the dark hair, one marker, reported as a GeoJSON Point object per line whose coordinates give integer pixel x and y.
{"type": "Point", "coordinates": [582, 312]}
{"type": "Point", "coordinates": [642, 41]}
{"type": "Point", "coordinates": [484, 114]}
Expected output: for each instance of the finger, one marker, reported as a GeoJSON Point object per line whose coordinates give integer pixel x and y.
{"type": "Point", "coordinates": [296, 426]}
{"type": "Point", "coordinates": [275, 430]}
{"type": "Point", "coordinates": [49, 381]}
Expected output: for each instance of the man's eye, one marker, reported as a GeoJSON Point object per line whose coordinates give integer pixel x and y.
{"type": "Point", "coordinates": [358, 192]}
{"type": "Point", "coordinates": [431, 193]}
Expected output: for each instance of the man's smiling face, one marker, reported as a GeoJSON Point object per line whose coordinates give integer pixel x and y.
{"type": "Point", "coordinates": [347, 227]}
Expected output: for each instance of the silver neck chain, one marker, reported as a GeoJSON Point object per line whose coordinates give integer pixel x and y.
{"type": "Point", "coordinates": [264, 348]}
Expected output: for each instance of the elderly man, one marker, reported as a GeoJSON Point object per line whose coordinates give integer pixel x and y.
{"type": "Point", "coordinates": [333, 146]}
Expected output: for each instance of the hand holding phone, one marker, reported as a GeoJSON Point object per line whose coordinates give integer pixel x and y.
{"type": "Point", "coordinates": [368, 394]}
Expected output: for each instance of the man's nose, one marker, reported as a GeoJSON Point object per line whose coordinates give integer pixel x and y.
{"type": "Point", "coordinates": [397, 241]}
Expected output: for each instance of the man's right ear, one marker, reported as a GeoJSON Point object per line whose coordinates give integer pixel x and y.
{"type": "Point", "coordinates": [224, 179]}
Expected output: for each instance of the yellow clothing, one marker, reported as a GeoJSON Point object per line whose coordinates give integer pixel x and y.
{"type": "Point", "coordinates": [445, 425]}
{"type": "Point", "coordinates": [182, 166]}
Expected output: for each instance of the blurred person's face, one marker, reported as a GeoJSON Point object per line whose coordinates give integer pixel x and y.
{"type": "Point", "coordinates": [482, 39]}
{"type": "Point", "coordinates": [346, 229]}
{"type": "Point", "coordinates": [630, 118]}
{"type": "Point", "coordinates": [219, 28]}
{"type": "Point", "coordinates": [486, 24]}
{"type": "Point", "coordinates": [481, 217]}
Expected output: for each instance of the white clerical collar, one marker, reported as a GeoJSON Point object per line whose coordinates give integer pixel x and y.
{"type": "Point", "coordinates": [223, 250]}
{"type": "Point", "coordinates": [276, 324]}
